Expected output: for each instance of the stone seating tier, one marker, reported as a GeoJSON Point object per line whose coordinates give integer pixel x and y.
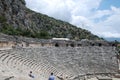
{"type": "Point", "coordinates": [63, 61]}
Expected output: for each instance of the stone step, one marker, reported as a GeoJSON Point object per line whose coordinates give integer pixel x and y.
{"type": "Point", "coordinates": [19, 63]}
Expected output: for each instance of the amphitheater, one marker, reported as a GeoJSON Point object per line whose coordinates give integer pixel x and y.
{"type": "Point", "coordinates": [67, 59]}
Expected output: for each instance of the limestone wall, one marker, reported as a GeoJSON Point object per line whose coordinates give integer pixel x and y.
{"type": "Point", "coordinates": [6, 41]}
{"type": "Point", "coordinates": [5, 44]}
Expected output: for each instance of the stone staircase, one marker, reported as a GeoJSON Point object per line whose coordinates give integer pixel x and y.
{"type": "Point", "coordinates": [66, 62]}
{"type": "Point", "coordinates": [12, 64]}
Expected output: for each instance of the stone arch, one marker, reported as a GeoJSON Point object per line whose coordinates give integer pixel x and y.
{"type": "Point", "coordinates": [93, 44]}
{"type": "Point", "coordinates": [113, 44]}
{"type": "Point", "coordinates": [56, 45]}
{"type": "Point", "coordinates": [99, 44]}
{"type": "Point", "coordinates": [72, 45]}
{"type": "Point", "coordinates": [79, 45]}
{"type": "Point", "coordinates": [42, 44]}
{"type": "Point", "coordinates": [67, 45]}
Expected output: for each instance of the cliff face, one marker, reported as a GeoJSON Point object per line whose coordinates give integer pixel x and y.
{"type": "Point", "coordinates": [16, 19]}
{"type": "Point", "coordinates": [13, 11]}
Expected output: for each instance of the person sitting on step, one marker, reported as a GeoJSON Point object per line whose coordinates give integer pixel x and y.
{"type": "Point", "coordinates": [31, 75]}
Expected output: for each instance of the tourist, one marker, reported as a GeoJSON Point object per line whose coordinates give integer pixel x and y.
{"type": "Point", "coordinates": [31, 75]}
{"type": "Point", "coordinates": [51, 77]}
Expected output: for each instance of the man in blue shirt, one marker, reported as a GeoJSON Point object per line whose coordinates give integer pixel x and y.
{"type": "Point", "coordinates": [52, 77]}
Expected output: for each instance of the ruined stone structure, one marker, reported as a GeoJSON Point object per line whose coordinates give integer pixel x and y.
{"type": "Point", "coordinates": [23, 42]}
{"type": "Point", "coordinates": [67, 59]}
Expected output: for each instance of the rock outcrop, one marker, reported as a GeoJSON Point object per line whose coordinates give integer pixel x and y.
{"type": "Point", "coordinates": [14, 12]}
{"type": "Point", "coordinates": [16, 19]}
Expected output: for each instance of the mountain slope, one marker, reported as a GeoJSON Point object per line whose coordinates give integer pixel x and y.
{"type": "Point", "coordinates": [16, 19]}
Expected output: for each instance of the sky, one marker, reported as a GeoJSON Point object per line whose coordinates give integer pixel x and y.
{"type": "Point", "coordinates": [100, 17]}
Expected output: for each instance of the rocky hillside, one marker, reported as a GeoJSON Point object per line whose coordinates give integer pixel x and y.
{"type": "Point", "coordinates": [16, 19]}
